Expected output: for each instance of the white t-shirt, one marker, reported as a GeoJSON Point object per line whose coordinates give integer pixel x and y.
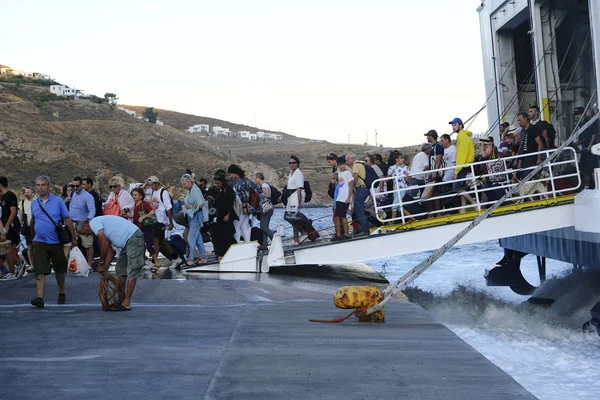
{"type": "Point", "coordinates": [26, 210]}
{"type": "Point", "coordinates": [419, 162]}
{"type": "Point", "coordinates": [265, 185]}
{"type": "Point", "coordinates": [344, 177]}
{"type": "Point", "coordinates": [450, 158]}
{"type": "Point", "coordinates": [295, 181]}
{"type": "Point", "coordinates": [161, 207]}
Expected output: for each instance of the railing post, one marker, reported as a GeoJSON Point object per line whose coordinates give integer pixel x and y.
{"type": "Point", "coordinates": [551, 175]}
{"type": "Point", "coordinates": [476, 191]}
{"type": "Point", "coordinates": [400, 203]}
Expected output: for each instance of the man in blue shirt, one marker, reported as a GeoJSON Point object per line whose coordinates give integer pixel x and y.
{"type": "Point", "coordinates": [112, 230]}
{"type": "Point", "coordinates": [82, 209]}
{"type": "Point", "coordinates": [46, 211]}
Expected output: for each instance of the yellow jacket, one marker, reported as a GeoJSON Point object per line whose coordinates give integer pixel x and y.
{"type": "Point", "coordinates": [465, 150]}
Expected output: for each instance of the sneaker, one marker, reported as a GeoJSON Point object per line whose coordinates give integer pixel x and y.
{"type": "Point", "coordinates": [20, 269]}
{"type": "Point", "coordinates": [30, 269]}
{"type": "Point", "coordinates": [336, 238]}
{"type": "Point", "coordinates": [359, 234]}
{"type": "Point", "coordinates": [302, 238]}
{"type": "Point", "coordinates": [8, 277]}
{"type": "Point", "coordinates": [175, 263]}
{"type": "Point", "coordinates": [38, 302]}
{"type": "Point", "coordinates": [62, 299]}
{"type": "Point", "coordinates": [346, 237]}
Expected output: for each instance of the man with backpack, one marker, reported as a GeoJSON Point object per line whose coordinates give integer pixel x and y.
{"type": "Point", "coordinates": [362, 185]}
{"type": "Point", "coordinates": [418, 166]}
{"type": "Point", "coordinates": [162, 203]}
{"type": "Point", "coordinates": [88, 185]}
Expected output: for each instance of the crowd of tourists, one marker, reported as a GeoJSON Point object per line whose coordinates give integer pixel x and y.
{"type": "Point", "coordinates": [135, 221]}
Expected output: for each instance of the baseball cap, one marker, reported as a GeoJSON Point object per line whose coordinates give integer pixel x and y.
{"type": "Point", "coordinates": [455, 121]}
{"type": "Point", "coordinates": [578, 111]}
{"type": "Point", "coordinates": [153, 179]}
{"type": "Point", "coordinates": [432, 133]}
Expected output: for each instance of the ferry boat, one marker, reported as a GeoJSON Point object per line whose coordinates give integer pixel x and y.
{"type": "Point", "coordinates": [543, 53]}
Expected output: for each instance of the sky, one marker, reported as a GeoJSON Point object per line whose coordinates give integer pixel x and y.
{"type": "Point", "coordinates": [328, 69]}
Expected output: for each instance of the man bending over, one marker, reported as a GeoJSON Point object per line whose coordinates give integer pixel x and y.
{"type": "Point", "coordinates": [112, 230]}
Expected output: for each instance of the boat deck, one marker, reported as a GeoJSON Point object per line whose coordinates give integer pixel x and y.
{"type": "Point", "coordinates": [232, 338]}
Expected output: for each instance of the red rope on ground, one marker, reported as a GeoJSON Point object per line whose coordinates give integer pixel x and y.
{"type": "Point", "coordinates": [361, 310]}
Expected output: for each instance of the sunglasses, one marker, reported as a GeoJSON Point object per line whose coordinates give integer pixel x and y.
{"type": "Point", "coordinates": [74, 186]}
{"type": "Point", "coordinates": [292, 162]}
{"type": "Point", "coordinates": [113, 186]}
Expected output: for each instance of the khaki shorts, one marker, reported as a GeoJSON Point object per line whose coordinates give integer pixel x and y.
{"type": "Point", "coordinates": [47, 257]}
{"type": "Point", "coordinates": [131, 259]}
{"type": "Point", "coordinates": [86, 241]}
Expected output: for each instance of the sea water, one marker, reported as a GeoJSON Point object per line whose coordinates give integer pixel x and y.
{"type": "Point", "coordinates": [544, 349]}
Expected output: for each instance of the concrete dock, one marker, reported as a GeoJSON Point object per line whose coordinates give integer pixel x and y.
{"type": "Point", "coordinates": [244, 337]}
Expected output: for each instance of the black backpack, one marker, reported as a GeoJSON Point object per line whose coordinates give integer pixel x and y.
{"type": "Point", "coordinates": [551, 134]}
{"type": "Point", "coordinates": [162, 191]}
{"type": "Point", "coordinates": [307, 191]}
{"type": "Point", "coordinates": [275, 195]}
{"type": "Point", "coordinates": [97, 202]}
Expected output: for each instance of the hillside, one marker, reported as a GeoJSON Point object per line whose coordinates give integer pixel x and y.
{"type": "Point", "coordinates": [64, 138]}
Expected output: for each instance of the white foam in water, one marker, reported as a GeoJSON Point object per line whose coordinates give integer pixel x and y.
{"type": "Point", "coordinates": [543, 349]}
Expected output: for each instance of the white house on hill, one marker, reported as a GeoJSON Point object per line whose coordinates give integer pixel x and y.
{"type": "Point", "coordinates": [219, 131]}
{"type": "Point", "coordinates": [4, 70]}
{"type": "Point", "coordinates": [199, 128]}
{"type": "Point", "coordinates": [39, 75]}
{"type": "Point", "coordinates": [268, 135]}
{"type": "Point", "coordinates": [62, 90]}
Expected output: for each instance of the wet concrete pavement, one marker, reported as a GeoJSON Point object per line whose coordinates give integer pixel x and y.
{"type": "Point", "coordinates": [230, 339]}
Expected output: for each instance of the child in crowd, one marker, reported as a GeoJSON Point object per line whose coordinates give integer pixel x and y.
{"type": "Point", "coordinates": [334, 184]}
{"type": "Point", "coordinates": [344, 190]}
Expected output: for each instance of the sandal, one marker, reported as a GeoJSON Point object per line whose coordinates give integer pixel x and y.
{"type": "Point", "coordinates": [201, 261]}
{"type": "Point", "coordinates": [155, 269]}
{"type": "Point", "coordinates": [121, 307]}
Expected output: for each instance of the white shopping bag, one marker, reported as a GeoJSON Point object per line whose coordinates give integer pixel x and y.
{"type": "Point", "coordinates": [78, 265]}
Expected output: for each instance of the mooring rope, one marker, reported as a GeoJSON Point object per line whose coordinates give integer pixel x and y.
{"type": "Point", "coordinates": [359, 311]}
{"type": "Point", "coordinates": [392, 290]}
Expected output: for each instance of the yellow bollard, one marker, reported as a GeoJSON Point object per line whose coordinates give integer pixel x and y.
{"type": "Point", "coordinates": [360, 296]}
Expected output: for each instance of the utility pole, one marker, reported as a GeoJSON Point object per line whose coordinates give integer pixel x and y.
{"type": "Point", "coordinates": [366, 138]}
{"type": "Point", "coordinates": [375, 137]}
{"type": "Point", "coordinates": [348, 138]}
